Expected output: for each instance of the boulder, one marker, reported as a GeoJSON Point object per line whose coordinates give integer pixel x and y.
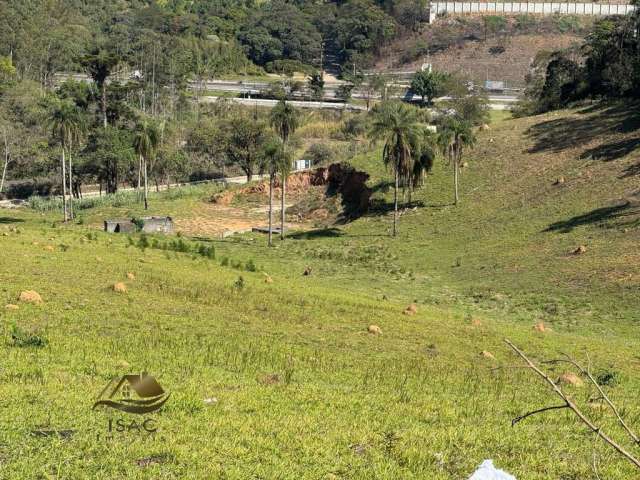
{"type": "Point", "coordinates": [580, 250]}
{"type": "Point", "coordinates": [487, 355]}
{"type": "Point", "coordinates": [570, 378]}
{"type": "Point", "coordinates": [540, 327]}
{"type": "Point", "coordinates": [374, 330]}
{"type": "Point", "coordinates": [411, 310]}
{"type": "Point", "coordinates": [30, 296]}
{"type": "Point", "coordinates": [119, 287]}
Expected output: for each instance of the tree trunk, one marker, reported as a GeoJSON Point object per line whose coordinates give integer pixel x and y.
{"type": "Point", "coordinates": [395, 205]}
{"type": "Point", "coordinates": [70, 187]}
{"type": "Point", "coordinates": [146, 185]}
{"type": "Point", "coordinates": [282, 203]}
{"type": "Point", "coordinates": [6, 162]}
{"type": "Point", "coordinates": [64, 186]}
{"type": "Point", "coordinates": [139, 173]}
{"type": "Point", "coordinates": [104, 104]}
{"type": "Point", "coordinates": [271, 209]}
{"type": "Point", "coordinates": [455, 179]}
{"type": "Point", "coordinates": [249, 176]}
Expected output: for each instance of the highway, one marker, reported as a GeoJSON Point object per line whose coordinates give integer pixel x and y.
{"type": "Point", "coordinates": [248, 90]}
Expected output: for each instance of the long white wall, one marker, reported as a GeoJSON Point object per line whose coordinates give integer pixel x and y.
{"type": "Point", "coordinates": [455, 8]}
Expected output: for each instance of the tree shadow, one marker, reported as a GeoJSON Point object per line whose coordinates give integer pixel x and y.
{"type": "Point", "coordinates": [601, 216]}
{"type": "Point", "coordinates": [612, 151]}
{"type": "Point", "coordinates": [6, 220]}
{"type": "Point", "coordinates": [317, 234]}
{"type": "Point", "coordinates": [595, 121]}
{"type": "Point", "coordinates": [381, 207]}
{"type": "Point", "coordinates": [631, 171]}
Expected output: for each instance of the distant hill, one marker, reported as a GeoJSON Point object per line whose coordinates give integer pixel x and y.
{"type": "Point", "coordinates": [484, 48]}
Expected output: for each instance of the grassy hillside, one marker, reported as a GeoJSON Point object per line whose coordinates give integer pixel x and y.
{"type": "Point", "coordinates": [297, 387]}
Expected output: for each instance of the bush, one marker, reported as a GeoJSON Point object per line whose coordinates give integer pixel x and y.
{"type": "Point", "coordinates": [23, 339]}
{"type": "Point", "coordinates": [320, 154]}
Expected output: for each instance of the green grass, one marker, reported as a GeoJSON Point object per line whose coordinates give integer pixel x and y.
{"type": "Point", "coordinates": [416, 402]}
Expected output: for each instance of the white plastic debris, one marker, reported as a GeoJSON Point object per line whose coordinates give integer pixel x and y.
{"type": "Point", "coordinates": [488, 472]}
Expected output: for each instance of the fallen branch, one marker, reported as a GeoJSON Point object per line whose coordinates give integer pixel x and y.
{"type": "Point", "coordinates": [568, 403]}
{"type": "Point", "coordinates": [546, 409]}
{"type": "Point", "coordinates": [603, 395]}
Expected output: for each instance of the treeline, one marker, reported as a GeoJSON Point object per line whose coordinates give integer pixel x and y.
{"type": "Point", "coordinates": [605, 66]}
{"type": "Point", "coordinates": [198, 37]}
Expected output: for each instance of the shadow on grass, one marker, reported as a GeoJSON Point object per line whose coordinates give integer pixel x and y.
{"type": "Point", "coordinates": [380, 207]}
{"type": "Point", "coordinates": [317, 234]}
{"type": "Point", "coordinates": [595, 121]}
{"type": "Point", "coordinates": [602, 216]}
{"type": "Point", "coordinates": [612, 151]}
{"type": "Point", "coordinates": [6, 220]}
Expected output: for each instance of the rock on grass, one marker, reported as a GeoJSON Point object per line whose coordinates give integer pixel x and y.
{"type": "Point", "coordinates": [571, 379]}
{"type": "Point", "coordinates": [411, 310]}
{"type": "Point", "coordinates": [131, 276]}
{"type": "Point", "coordinates": [30, 296]}
{"type": "Point", "coordinates": [11, 307]}
{"type": "Point", "coordinates": [487, 355]}
{"type": "Point", "coordinates": [374, 330]}
{"type": "Point", "coordinates": [119, 287]}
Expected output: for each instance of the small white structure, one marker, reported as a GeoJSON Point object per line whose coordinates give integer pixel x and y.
{"type": "Point", "coordinates": [302, 165]}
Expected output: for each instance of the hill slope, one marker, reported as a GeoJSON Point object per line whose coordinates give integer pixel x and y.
{"type": "Point", "coordinates": [297, 388]}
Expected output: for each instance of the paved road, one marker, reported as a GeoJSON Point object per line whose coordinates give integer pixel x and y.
{"type": "Point", "coordinates": [262, 102]}
{"type": "Point", "coordinates": [16, 203]}
{"type": "Point", "coordinates": [251, 89]}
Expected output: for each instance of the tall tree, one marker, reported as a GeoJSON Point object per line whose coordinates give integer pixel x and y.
{"type": "Point", "coordinates": [396, 125]}
{"type": "Point", "coordinates": [244, 140]}
{"type": "Point", "coordinates": [6, 159]}
{"type": "Point", "coordinates": [66, 126]}
{"type": "Point", "coordinates": [99, 64]}
{"type": "Point", "coordinates": [275, 160]}
{"type": "Point", "coordinates": [455, 135]}
{"type": "Point", "coordinates": [285, 121]}
{"type": "Point", "coordinates": [145, 143]}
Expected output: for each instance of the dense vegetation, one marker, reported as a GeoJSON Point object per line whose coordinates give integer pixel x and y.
{"type": "Point", "coordinates": [147, 60]}
{"type": "Point", "coordinates": [606, 65]}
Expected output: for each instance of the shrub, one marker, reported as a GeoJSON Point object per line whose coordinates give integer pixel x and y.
{"type": "Point", "coordinates": [23, 339]}
{"type": "Point", "coordinates": [319, 154]}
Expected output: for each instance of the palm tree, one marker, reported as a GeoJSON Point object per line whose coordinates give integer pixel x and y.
{"type": "Point", "coordinates": [423, 163]}
{"type": "Point", "coordinates": [67, 127]}
{"type": "Point", "coordinates": [396, 124]}
{"type": "Point", "coordinates": [455, 135]}
{"type": "Point", "coordinates": [275, 159]}
{"type": "Point", "coordinates": [145, 143]}
{"type": "Point", "coordinates": [284, 120]}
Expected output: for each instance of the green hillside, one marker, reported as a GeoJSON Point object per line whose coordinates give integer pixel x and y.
{"type": "Point", "coordinates": [282, 379]}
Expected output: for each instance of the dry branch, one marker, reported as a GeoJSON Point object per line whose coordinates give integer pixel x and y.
{"type": "Point", "coordinates": [603, 395]}
{"type": "Point", "coordinates": [571, 405]}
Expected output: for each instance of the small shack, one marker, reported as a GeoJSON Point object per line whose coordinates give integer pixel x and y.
{"type": "Point", "coordinates": [119, 226]}
{"type": "Point", "coordinates": [157, 225]}
{"type": "Point", "coordinates": [145, 224]}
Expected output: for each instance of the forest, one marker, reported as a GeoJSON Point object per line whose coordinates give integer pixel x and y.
{"type": "Point", "coordinates": [142, 57]}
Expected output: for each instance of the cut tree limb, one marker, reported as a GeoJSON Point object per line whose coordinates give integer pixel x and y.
{"type": "Point", "coordinates": [571, 405]}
